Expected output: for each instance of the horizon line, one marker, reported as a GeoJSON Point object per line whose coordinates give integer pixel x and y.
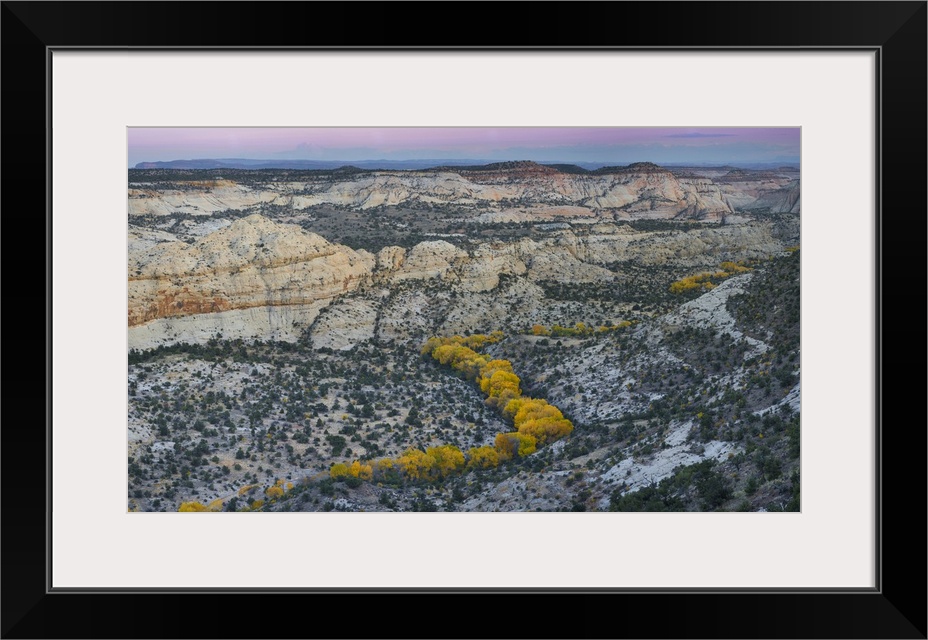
{"type": "Point", "coordinates": [461, 161]}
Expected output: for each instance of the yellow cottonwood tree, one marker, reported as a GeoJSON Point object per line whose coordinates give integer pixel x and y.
{"type": "Point", "coordinates": [495, 365]}
{"type": "Point", "coordinates": [448, 459]}
{"type": "Point", "coordinates": [447, 354]}
{"type": "Point", "coordinates": [508, 445]}
{"type": "Point", "coordinates": [362, 471]}
{"type": "Point", "coordinates": [416, 464]}
{"type": "Point", "coordinates": [537, 418]}
{"type": "Point", "coordinates": [734, 267]}
{"type": "Point", "coordinates": [501, 387]}
{"type": "Point", "coordinates": [482, 457]}
{"type": "Point", "coordinates": [536, 421]}
{"type": "Point", "coordinates": [430, 345]}
{"type": "Point", "coordinates": [192, 506]}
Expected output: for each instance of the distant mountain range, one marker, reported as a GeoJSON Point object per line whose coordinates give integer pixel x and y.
{"type": "Point", "coordinates": [246, 163]}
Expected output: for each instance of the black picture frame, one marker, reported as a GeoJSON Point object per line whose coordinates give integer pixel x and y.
{"type": "Point", "coordinates": [895, 30]}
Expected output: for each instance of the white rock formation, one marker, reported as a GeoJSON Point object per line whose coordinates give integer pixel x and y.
{"type": "Point", "coordinates": [345, 323]}
{"type": "Point", "coordinates": [637, 474]}
{"type": "Point", "coordinates": [251, 263]}
{"type": "Point", "coordinates": [198, 199]}
{"type": "Point", "coordinates": [709, 311]}
{"type": "Point", "coordinates": [284, 323]}
{"type": "Point", "coordinates": [430, 260]}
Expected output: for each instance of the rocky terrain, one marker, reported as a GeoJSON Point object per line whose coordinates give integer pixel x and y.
{"type": "Point", "coordinates": [275, 321]}
{"type": "Point", "coordinates": [638, 190]}
{"type": "Point", "coordinates": [258, 278]}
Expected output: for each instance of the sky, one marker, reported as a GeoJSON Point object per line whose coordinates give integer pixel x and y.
{"type": "Point", "coordinates": [610, 145]}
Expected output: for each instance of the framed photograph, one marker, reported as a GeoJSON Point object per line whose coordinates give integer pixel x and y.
{"type": "Point", "coordinates": [847, 78]}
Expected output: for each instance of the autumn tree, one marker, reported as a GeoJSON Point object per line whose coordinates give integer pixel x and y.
{"type": "Point", "coordinates": [386, 470]}
{"type": "Point", "coordinates": [192, 506]}
{"type": "Point", "coordinates": [482, 458]}
{"type": "Point", "coordinates": [536, 421]}
{"type": "Point", "coordinates": [537, 418]}
{"type": "Point", "coordinates": [508, 445]}
{"type": "Point", "coordinates": [416, 464]}
{"type": "Point", "coordinates": [448, 459]}
{"type": "Point", "coordinates": [428, 349]}
{"type": "Point", "coordinates": [499, 382]}
{"type": "Point", "coordinates": [361, 471]}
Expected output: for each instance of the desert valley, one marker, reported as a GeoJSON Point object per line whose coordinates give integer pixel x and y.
{"type": "Point", "coordinates": [509, 336]}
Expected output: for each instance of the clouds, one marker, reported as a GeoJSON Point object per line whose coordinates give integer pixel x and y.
{"type": "Point", "coordinates": [544, 144]}
{"type": "Point", "coordinates": [697, 134]}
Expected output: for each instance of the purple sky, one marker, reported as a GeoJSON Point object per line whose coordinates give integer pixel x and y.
{"type": "Point", "coordinates": [580, 144]}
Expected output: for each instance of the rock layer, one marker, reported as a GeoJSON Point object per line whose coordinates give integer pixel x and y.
{"type": "Point", "coordinates": [251, 263]}
{"type": "Point", "coordinates": [241, 280]}
{"type": "Point", "coordinates": [641, 190]}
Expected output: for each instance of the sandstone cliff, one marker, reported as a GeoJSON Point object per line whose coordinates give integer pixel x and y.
{"type": "Point", "coordinates": [256, 278]}
{"type": "Point", "coordinates": [198, 198]}
{"type": "Point", "coordinates": [251, 263]}
{"type": "Point", "coordinates": [640, 190]}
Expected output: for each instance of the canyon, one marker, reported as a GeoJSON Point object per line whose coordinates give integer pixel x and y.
{"type": "Point", "coordinates": [275, 318]}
